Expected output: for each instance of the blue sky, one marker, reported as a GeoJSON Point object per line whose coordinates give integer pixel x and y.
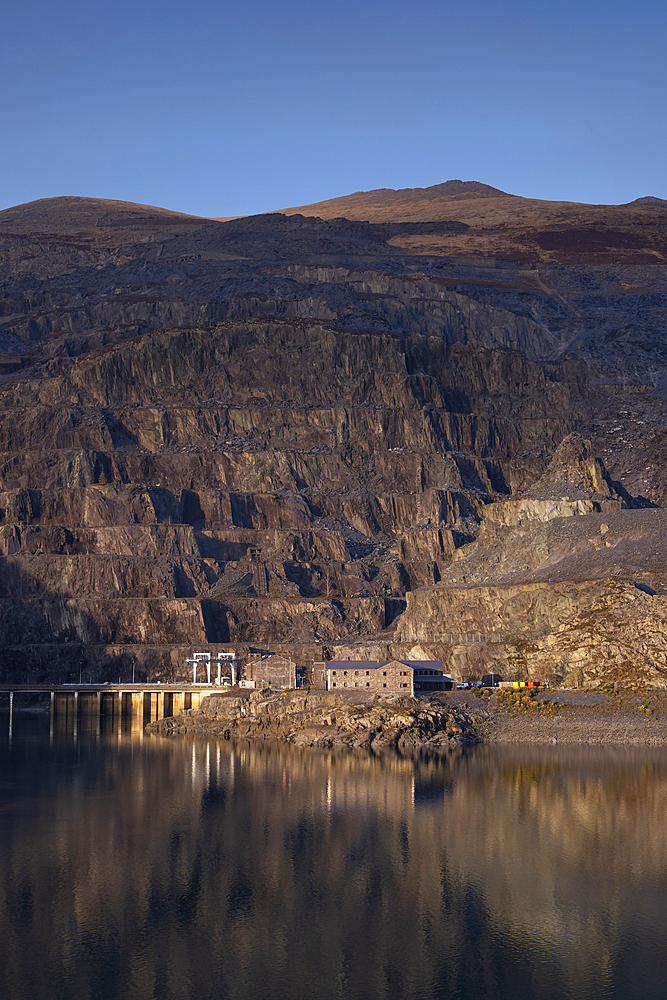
{"type": "Point", "coordinates": [223, 109]}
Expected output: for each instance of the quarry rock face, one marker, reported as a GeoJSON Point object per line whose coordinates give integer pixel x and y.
{"type": "Point", "coordinates": [565, 591]}
{"type": "Point", "coordinates": [307, 435]}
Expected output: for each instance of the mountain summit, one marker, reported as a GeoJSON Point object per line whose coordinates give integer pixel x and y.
{"type": "Point", "coordinates": [507, 226]}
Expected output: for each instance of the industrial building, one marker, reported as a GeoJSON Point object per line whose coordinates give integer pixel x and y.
{"type": "Point", "coordinates": [271, 670]}
{"type": "Point", "coordinates": [387, 677]}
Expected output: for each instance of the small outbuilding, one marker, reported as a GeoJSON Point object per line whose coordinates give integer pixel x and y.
{"type": "Point", "coordinates": [429, 676]}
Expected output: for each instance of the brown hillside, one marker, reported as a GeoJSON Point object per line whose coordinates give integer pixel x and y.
{"type": "Point", "coordinates": [92, 216]}
{"type": "Point", "coordinates": [506, 226]}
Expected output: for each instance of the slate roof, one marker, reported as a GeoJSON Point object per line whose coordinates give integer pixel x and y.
{"type": "Point", "coordinates": [355, 664]}
{"type": "Point", "coordinates": [423, 664]}
{"type": "Point", "coordinates": [376, 664]}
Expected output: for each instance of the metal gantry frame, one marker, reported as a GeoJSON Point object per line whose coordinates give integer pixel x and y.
{"type": "Point", "coordinates": [228, 659]}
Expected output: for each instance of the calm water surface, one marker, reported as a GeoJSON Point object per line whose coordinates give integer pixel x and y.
{"type": "Point", "coordinates": [134, 867]}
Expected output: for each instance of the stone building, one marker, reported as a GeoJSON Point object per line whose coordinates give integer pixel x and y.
{"type": "Point", "coordinates": [387, 677]}
{"type": "Point", "coordinates": [271, 670]}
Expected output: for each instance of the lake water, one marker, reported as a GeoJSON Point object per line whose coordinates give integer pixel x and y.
{"type": "Point", "coordinates": [135, 867]}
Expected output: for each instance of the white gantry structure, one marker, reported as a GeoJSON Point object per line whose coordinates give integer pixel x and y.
{"type": "Point", "coordinates": [221, 659]}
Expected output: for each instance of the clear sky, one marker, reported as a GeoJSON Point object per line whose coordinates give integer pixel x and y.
{"type": "Point", "coordinates": [220, 108]}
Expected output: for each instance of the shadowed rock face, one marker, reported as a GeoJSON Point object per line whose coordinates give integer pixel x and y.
{"type": "Point", "coordinates": [272, 432]}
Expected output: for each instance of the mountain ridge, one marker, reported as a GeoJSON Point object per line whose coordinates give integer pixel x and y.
{"type": "Point", "coordinates": [94, 210]}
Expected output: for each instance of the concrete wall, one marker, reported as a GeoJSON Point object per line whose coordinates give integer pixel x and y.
{"type": "Point", "coordinates": [274, 671]}
{"type": "Point", "coordinates": [316, 675]}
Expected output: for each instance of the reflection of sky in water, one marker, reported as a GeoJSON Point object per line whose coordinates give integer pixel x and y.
{"type": "Point", "coordinates": [141, 868]}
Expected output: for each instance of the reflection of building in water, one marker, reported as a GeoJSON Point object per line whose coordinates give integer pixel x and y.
{"type": "Point", "coordinates": [233, 855]}
{"type": "Point", "coordinates": [431, 789]}
{"type": "Point", "coordinates": [387, 677]}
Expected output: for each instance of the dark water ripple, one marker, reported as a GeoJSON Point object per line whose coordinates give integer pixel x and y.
{"type": "Point", "coordinates": [145, 869]}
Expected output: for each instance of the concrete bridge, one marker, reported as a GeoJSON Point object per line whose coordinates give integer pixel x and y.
{"type": "Point", "coordinates": [138, 701]}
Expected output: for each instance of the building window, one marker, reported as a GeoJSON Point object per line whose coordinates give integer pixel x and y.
{"type": "Point", "coordinates": [368, 684]}
{"type": "Point", "coordinates": [368, 673]}
{"type": "Point", "coordinates": [384, 685]}
{"type": "Point", "coordinates": [334, 684]}
{"type": "Point", "coordinates": [384, 674]}
{"type": "Point", "coordinates": [356, 684]}
{"type": "Point", "coordinates": [345, 673]}
{"type": "Point", "coordinates": [333, 672]}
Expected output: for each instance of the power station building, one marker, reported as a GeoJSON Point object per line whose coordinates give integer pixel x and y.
{"type": "Point", "coordinates": [388, 677]}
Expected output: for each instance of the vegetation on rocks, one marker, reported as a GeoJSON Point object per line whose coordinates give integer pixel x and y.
{"type": "Point", "coordinates": [526, 699]}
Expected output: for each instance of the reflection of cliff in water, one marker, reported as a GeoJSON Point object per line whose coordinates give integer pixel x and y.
{"type": "Point", "coordinates": [152, 868]}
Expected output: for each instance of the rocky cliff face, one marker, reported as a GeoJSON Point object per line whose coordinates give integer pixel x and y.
{"type": "Point", "coordinates": [273, 432]}
{"type": "Point", "coordinates": [563, 584]}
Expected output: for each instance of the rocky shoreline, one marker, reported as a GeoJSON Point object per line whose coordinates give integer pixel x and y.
{"type": "Point", "coordinates": [448, 722]}
{"type": "Point", "coordinates": [324, 719]}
